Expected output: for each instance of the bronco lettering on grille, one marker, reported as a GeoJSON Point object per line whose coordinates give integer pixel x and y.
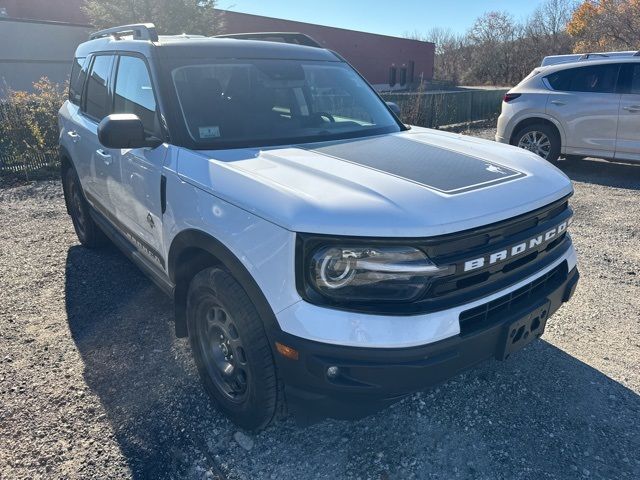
{"type": "Point", "coordinates": [515, 250]}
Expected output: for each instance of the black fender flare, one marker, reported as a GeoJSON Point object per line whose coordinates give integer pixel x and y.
{"type": "Point", "coordinates": [197, 239]}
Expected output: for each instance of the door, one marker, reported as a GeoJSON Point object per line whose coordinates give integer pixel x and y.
{"type": "Point", "coordinates": [628, 141]}
{"type": "Point", "coordinates": [103, 173]}
{"type": "Point", "coordinates": [138, 200]}
{"type": "Point", "coordinates": [70, 116]}
{"type": "Point", "coordinates": [585, 101]}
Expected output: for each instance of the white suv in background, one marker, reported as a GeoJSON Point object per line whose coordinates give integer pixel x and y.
{"type": "Point", "coordinates": [589, 107]}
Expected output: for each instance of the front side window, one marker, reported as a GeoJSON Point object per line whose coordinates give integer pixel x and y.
{"type": "Point", "coordinates": [592, 79]}
{"type": "Point", "coordinates": [77, 79]}
{"type": "Point", "coordinates": [269, 102]}
{"type": "Point", "coordinates": [134, 91]}
{"type": "Point", "coordinates": [97, 94]}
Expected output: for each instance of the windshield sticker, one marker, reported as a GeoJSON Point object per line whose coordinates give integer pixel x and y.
{"type": "Point", "coordinates": [209, 132]}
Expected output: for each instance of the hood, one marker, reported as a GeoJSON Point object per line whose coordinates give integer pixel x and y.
{"type": "Point", "coordinates": [416, 183]}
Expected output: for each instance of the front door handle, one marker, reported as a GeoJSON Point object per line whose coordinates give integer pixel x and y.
{"type": "Point", "coordinates": [558, 103]}
{"type": "Point", "coordinates": [632, 108]}
{"type": "Point", "coordinates": [74, 136]}
{"type": "Point", "coordinates": [106, 158]}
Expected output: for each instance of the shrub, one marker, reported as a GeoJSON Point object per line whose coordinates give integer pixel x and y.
{"type": "Point", "coordinates": [29, 127]}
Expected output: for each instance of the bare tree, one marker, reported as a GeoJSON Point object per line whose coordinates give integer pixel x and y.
{"type": "Point", "coordinates": [449, 66]}
{"type": "Point", "coordinates": [493, 36]}
{"type": "Point", "coordinates": [498, 50]}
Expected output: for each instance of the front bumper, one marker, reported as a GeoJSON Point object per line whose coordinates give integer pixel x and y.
{"type": "Point", "coordinates": [372, 378]}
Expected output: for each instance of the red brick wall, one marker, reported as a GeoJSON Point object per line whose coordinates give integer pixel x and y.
{"type": "Point", "coordinates": [372, 55]}
{"type": "Point", "coordinates": [68, 11]}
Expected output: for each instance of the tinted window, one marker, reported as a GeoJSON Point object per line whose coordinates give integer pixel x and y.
{"type": "Point", "coordinates": [76, 80]}
{"type": "Point", "coordinates": [272, 102]}
{"type": "Point", "coordinates": [635, 79]}
{"type": "Point", "coordinates": [134, 93]}
{"type": "Point", "coordinates": [593, 79]}
{"type": "Point", "coordinates": [96, 103]}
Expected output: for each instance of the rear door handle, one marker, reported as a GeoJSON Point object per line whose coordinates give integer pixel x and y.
{"type": "Point", "coordinates": [106, 158]}
{"type": "Point", "coordinates": [557, 102]}
{"type": "Point", "coordinates": [632, 108]}
{"type": "Point", "coordinates": [74, 136]}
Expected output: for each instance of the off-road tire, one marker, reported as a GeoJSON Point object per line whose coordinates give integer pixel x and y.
{"type": "Point", "coordinates": [87, 231]}
{"type": "Point", "coordinates": [211, 292]}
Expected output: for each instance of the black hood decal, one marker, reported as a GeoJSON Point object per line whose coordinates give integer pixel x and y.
{"type": "Point", "coordinates": [437, 168]}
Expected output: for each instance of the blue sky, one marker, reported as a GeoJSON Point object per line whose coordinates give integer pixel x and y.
{"type": "Point", "coordinates": [389, 18]}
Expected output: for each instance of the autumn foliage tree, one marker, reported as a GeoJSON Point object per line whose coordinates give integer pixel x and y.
{"type": "Point", "coordinates": [606, 25]}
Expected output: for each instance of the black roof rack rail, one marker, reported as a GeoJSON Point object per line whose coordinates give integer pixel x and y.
{"type": "Point", "coordinates": [279, 37]}
{"type": "Point", "coordinates": [140, 31]}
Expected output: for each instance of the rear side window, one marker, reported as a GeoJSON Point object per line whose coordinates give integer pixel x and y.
{"type": "Point", "coordinates": [134, 91]}
{"type": "Point", "coordinates": [97, 93]}
{"type": "Point", "coordinates": [592, 79]}
{"type": "Point", "coordinates": [76, 80]}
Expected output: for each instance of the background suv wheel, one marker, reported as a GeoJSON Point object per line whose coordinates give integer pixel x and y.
{"type": "Point", "coordinates": [540, 139]}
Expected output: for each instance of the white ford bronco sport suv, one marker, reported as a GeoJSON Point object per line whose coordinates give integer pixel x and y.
{"type": "Point", "coordinates": [322, 256]}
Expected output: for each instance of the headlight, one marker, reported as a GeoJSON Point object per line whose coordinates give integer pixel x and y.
{"type": "Point", "coordinates": [376, 273]}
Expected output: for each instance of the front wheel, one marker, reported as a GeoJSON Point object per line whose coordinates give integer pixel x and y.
{"type": "Point", "coordinates": [231, 349]}
{"type": "Point", "coordinates": [540, 139]}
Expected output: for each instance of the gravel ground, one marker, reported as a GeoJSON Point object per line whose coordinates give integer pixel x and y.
{"type": "Point", "coordinates": [93, 383]}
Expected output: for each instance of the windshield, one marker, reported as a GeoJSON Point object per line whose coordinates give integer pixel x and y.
{"type": "Point", "coordinates": [227, 103]}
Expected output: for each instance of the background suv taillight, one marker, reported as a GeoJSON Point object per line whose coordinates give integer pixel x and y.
{"type": "Point", "coordinates": [510, 96]}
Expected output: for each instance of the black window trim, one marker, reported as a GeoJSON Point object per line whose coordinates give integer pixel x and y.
{"type": "Point", "coordinates": [109, 102]}
{"type": "Point", "coordinates": [114, 74]}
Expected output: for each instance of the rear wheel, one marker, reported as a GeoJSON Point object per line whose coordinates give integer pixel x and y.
{"type": "Point", "coordinates": [540, 139]}
{"type": "Point", "coordinates": [86, 229]}
{"type": "Point", "coordinates": [231, 349]}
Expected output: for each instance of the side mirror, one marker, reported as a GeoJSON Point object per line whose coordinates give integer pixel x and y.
{"type": "Point", "coordinates": [394, 108]}
{"type": "Point", "coordinates": [124, 130]}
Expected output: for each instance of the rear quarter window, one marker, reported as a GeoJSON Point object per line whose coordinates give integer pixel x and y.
{"type": "Point", "coordinates": [96, 102]}
{"type": "Point", "coordinates": [77, 79]}
{"type": "Point", "coordinates": [591, 79]}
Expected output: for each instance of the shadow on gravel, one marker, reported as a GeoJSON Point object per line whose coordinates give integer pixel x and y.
{"type": "Point", "coordinates": [544, 414]}
{"type": "Point", "coordinates": [601, 172]}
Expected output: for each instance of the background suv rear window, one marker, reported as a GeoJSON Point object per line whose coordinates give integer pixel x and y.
{"type": "Point", "coordinates": [593, 79]}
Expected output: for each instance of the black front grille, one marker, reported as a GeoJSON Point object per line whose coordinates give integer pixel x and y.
{"type": "Point", "coordinates": [455, 249]}
{"type": "Point", "coordinates": [521, 299]}
{"type": "Point", "coordinates": [493, 238]}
